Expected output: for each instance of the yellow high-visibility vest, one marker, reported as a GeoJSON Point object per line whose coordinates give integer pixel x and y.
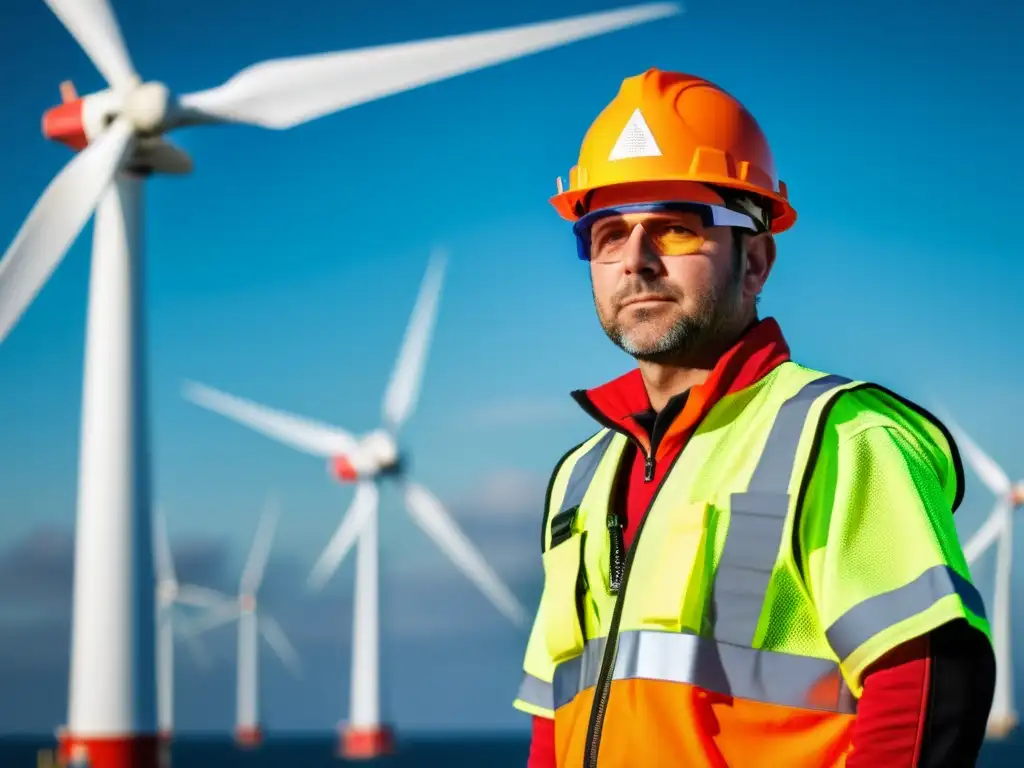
{"type": "Point", "coordinates": [804, 531]}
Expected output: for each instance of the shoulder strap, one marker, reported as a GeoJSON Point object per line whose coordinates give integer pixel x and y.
{"type": "Point", "coordinates": [758, 518]}
{"type": "Point", "coordinates": [581, 474]}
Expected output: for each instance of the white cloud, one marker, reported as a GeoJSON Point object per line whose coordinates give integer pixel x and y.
{"type": "Point", "coordinates": [505, 492]}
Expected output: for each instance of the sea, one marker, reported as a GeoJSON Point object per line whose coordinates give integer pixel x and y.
{"type": "Point", "coordinates": [439, 752]}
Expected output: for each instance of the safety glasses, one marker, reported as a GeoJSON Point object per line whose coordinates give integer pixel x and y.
{"type": "Point", "coordinates": [679, 229]}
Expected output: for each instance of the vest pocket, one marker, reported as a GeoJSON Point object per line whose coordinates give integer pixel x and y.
{"type": "Point", "coordinates": [563, 598]}
{"type": "Point", "coordinates": [674, 570]}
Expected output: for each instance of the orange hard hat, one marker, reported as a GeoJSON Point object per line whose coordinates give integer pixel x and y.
{"type": "Point", "coordinates": [664, 136]}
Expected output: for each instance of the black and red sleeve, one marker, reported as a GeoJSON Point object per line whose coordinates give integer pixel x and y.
{"type": "Point", "coordinates": [926, 703]}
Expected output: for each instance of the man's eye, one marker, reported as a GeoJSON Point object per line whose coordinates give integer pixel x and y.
{"type": "Point", "coordinates": [609, 237]}
{"type": "Point", "coordinates": [678, 230]}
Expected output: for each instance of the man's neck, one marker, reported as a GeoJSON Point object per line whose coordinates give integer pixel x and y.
{"type": "Point", "coordinates": [663, 382]}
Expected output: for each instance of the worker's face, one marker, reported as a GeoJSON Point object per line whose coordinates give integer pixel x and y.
{"type": "Point", "coordinates": [664, 308]}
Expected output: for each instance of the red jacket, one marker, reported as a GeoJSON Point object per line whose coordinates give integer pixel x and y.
{"type": "Point", "coordinates": [892, 720]}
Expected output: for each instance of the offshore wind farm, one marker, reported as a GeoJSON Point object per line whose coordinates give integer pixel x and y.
{"type": "Point", "coordinates": [285, 348]}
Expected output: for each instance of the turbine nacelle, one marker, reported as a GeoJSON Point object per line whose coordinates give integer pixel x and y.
{"type": "Point", "coordinates": [1017, 495]}
{"type": "Point", "coordinates": [149, 108]}
{"type": "Point", "coordinates": [378, 454]}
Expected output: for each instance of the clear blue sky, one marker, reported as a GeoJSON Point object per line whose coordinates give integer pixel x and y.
{"type": "Point", "coordinates": [285, 267]}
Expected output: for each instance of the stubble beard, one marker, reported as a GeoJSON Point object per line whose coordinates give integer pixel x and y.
{"type": "Point", "coordinates": [690, 336]}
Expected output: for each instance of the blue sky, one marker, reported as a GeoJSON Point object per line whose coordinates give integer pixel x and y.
{"type": "Point", "coordinates": [284, 269]}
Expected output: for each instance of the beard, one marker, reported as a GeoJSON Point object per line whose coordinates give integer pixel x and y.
{"type": "Point", "coordinates": [651, 334]}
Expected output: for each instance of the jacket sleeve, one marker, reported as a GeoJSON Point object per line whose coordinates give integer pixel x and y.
{"type": "Point", "coordinates": [882, 557]}
{"type": "Point", "coordinates": [926, 703]}
{"type": "Point", "coordinates": [542, 744]}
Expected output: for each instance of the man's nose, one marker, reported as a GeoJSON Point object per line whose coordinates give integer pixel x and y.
{"type": "Point", "coordinates": [638, 255]}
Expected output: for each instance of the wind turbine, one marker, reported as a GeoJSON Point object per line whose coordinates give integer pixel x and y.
{"type": "Point", "coordinates": [171, 593]}
{"type": "Point", "coordinates": [252, 622]}
{"type": "Point", "coordinates": [997, 530]}
{"type": "Point", "coordinates": [363, 461]}
{"type": "Point", "coordinates": [118, 135]}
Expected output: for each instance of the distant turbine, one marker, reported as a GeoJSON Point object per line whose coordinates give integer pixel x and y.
{"type": "Point", "coordinates": [252, 622]}
{"type": "Point", "coordinates": [363, 461]}
{"type": "Point", "coordinates": [169, 594]}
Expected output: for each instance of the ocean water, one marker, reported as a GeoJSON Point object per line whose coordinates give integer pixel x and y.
{"type": "Point", "coordinates": [446, 752]}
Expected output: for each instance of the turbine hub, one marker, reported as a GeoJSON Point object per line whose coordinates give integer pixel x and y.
{"type": "Point", "coordinates": [147, 107]}
{"type": "Point", "coordinates": [168, 591]}
{"type": "Point", "coordinates": [381, 449]}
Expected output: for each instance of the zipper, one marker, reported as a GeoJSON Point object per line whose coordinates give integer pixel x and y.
{"type": "Point", "coordinates": [617, 581]}
{"type": "Point", "coordinates": [615, 522]}
{"type": "Point", "coordinates": [604, 680]}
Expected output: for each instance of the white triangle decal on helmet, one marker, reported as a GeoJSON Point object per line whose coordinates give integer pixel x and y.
{"type": "Point", "coordinates": [636, 140]}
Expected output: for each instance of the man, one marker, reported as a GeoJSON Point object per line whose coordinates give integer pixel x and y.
{"type": "Point", "coordinates": [751, 563]}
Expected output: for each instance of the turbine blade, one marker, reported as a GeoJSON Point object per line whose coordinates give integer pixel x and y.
{"type": "Point", "coordinates": [213, 618]}
{"type": "Point", "coordinates": [403, 389]}
{"type": "Point", "coordinates": [277, 640]}
{"type": "Point", "coordinates": [164, 559]}
{"type": "Point", "coordinates": [201, 597]}
{"type": "Point", "coordinates": [284, 92]}
{"type": "Point", "coordinates": [362, 507]}
{"type": "Point", "coordinates": [990, 473]}
{"type": "Point", "coordinates": [55, 221]}
{"type": "Point", "coordinates": [92, 23]}
{"type": "Point", "coordinates": [303, 434]}
{"type": "Point", "coordinates": [988, 533]}
{"type": "Point", "coordinates": [427, 511]}
{"type": "Point", "coordinates": [195, 646]}
{"type": "Point", "coordinates": [252, 574]}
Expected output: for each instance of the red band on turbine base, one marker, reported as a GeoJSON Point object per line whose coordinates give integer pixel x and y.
{"type": "Point", "coordinates": [366, 743]}
{"type": "Point", "coordinates": [249, 736]}
{"type": "Point", "coordinates": [110, 752]}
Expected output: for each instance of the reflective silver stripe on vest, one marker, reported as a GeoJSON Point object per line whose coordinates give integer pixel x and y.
{"type": "Point", "coordinates": [583, 472]}
{"type": "Point", "coordinates": [535, 691]}
{"type": "Point", "coordinates": [757, 520]}
{"type": "Point", "coordinates": [869, 617]}
{"type": "Point", "coordinates": [747, 673]}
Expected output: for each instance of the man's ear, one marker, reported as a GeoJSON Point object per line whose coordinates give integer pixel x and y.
{"type": "Point", "coordinates": [760, 252]}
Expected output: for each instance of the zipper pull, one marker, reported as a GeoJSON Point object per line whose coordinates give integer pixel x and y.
{"type": "Point", "coordinates": [649, 469]}
{"type": "Point", "coordinates": [617, 556]}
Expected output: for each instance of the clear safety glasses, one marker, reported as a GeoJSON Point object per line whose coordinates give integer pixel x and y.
{"type": "Point", "coordinates": [679, 229]}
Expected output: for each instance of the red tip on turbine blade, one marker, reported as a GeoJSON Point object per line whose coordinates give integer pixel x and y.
{"type": "Point", "coordinates": [68, 92]}
{"type": "Point", "coordinates": [63, 123]}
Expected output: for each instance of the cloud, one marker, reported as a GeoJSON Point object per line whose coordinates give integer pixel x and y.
{"type": "Point", "coordinates": [504, 492]}
{"type": "Point", "coordinates": [38, 566]}
{"type": "Point", "coordinates": [522, 413]}
{"type": "Point", "coordinates": [436, 626]}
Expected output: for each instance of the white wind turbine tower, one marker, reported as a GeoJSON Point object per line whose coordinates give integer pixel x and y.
{"type": "Point", "coordinates": [252, 622]}
{"type": "Point", "coordinates": [118, 135]}
{"type": "Point", "coordinates": [364, 460]}
{"type": "Point", "coordinates": [996, 530]}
